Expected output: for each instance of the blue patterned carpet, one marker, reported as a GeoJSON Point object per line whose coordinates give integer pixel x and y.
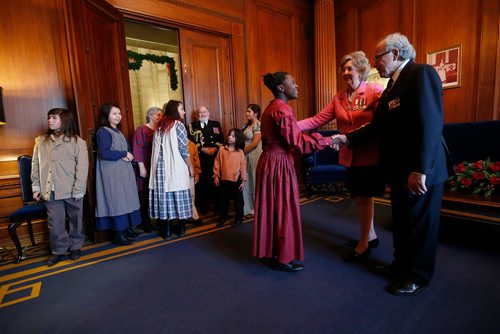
{"type": "Point", "coordinates": [208, 282]}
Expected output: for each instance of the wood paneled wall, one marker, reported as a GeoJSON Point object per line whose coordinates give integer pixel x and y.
{"type": "Point", "coordinates": [33, 73]}
{"type": "Point", "coordinates": [264, 35]}
{"type": "Point", "coordinates": [280, 38]}
{"type": "Point", "coordinates": [36, 72]}
{"type": "Point", "coordinates": [432, 26]}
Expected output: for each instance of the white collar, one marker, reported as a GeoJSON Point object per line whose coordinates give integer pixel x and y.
{"type": "Point", "coordinates": [396, 74]}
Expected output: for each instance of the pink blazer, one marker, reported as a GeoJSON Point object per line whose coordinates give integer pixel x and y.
{"type": "Point", "coordinates": [350, 116]}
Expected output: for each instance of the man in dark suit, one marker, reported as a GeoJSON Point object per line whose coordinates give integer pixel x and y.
{"type": "Point", "coordinates": [408, 123]}
{"type": "Point", "coordinates": [208, 137]}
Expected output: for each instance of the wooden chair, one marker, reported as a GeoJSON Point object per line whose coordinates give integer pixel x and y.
{"type": "Point", "coordinates": [31, 209]}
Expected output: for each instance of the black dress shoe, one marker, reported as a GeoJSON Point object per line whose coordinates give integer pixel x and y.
{"type": "Point", "coordinates": [290, 267]}
{"type": "Point", "coordinates": [166, 230]}
{"type": "Point", "coordinates": [197, 222]}
{"type": "Point", "coordinates": [120, 238]}
{"type": "Point", "coordinates": [354, 256]}
{"type": "Point", "coordinates": [75, 254]}
{"type": "Point", "coordinates": [408, 288]}
{"type": "Point", "coordinates": [372, 243]}
{"type": "Point", "coordinates": [53, 259]}
{"type": "Point", "coordinates": [138, 230]}
{"type": "Point", "coordinates": [131, 233]}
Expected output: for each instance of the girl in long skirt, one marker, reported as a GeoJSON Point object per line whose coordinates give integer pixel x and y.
{"type": "Point", "coordinates": [169, 185]}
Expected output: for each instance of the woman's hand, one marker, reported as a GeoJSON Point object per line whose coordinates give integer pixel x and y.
{"type": "Point", "coordinates": [338, 141]}
{"type": "Point", "coordinates": [216, 181]}
{"type": "Point", "coordinates": [242, 184]}
{"type": "Point", "coordinates": [37, 196]}
{"type": "Point", "coordinates": [143, 172]}
{"type": "Point", "coordinates": [129, 157]}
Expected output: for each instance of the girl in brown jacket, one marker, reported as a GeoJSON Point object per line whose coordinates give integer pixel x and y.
{"type": "Point", "coordinates": [59, 177]}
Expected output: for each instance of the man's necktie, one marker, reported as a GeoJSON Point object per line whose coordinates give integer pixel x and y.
{"type": "Point", "coordinates": [389, 85]}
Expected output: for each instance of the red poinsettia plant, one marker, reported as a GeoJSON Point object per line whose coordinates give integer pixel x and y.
{"type": "Point", "coordinates": [481, 177]}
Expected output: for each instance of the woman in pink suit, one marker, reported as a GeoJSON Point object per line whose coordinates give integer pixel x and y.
{"type": "Point", "coordinates": [277, 229]}
{"type": "Point", "coordinates": [352, 108]}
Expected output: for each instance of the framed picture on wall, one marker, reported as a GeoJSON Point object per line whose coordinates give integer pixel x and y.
{"type": "Point", "coordinates": [448, 65]}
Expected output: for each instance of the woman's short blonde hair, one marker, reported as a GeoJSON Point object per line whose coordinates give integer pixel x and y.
{"type": "Point", "coordinates": [359, 61]}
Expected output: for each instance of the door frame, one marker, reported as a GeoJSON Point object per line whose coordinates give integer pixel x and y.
{"type": "Point", "coordinates": [212, 25]}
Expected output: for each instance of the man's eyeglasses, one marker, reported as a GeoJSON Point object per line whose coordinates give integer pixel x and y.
{"type": "Point", "coordinates": [377, 57]}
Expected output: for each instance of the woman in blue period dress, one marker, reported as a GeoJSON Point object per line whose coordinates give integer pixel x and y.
{"type": "Point", "coordinates": [117, 201]}
{"type": "Point", "coordinates": [169, 184]}
{"type": "Point", "coordinates": [277, 231]}
{"type": "Point", "coordinates": [253, 149]}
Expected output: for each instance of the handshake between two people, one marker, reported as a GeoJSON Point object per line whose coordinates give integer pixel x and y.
{"type": "Point", "coordinates": [338, 141]}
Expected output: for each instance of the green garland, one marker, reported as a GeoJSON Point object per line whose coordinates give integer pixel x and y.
{"type": "Point", "coordinates": [135, 60]}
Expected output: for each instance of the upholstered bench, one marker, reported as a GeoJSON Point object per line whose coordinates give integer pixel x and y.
{"type": "Point", "coordinates": [471, 142]}
{"type": "Point", "coordinates": [322, 171]}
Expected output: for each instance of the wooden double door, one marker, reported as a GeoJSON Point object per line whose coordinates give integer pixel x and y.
{"type": "Point", "coordinates": [99, 72]}
{"type": "Point", "coordinates": [206, 75]}
{"type": "Point", "coordinates": [98, 58]}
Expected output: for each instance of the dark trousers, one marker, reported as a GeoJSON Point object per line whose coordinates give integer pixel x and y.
{"type": "Point", "coordinates": [229, 190]}
{"type": "Point", "coordinates": [60, 239]}
{"type": "Point", "coordinates": [206, 191]}
{"type": "Point", "coordinates": [144, 202]}
{"type": "Point", "coordinates": [415, 230]}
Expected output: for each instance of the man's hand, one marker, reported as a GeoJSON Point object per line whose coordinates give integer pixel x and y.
{"type": "Point", "coordinates": [209, 150]}
{"type": "Point", "coordinates": [416, 183]}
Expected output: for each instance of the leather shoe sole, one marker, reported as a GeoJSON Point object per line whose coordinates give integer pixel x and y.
{"type": "Point", "coordinates": [408, 288]}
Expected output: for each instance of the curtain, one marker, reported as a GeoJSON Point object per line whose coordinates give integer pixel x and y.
{"type": "Point", "coordinates": [150, 85]}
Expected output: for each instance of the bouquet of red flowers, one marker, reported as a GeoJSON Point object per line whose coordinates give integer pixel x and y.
{"type": "Point", "coordinates": [481, 177]}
